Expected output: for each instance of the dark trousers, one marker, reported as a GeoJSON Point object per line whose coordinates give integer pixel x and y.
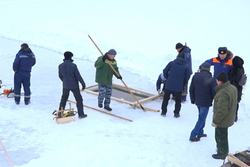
{"type": "Point", "coordinates": [20, 80]}
{"type": "Point", "coordinates": [78, 97]}
{"type": "Point", "coordinates": [221, 138]}
{"type": "Point", "coordinates": [166, 99]}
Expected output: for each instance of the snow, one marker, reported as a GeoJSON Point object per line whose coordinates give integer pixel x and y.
{"type": "Point", "coordinates": [144, 34]}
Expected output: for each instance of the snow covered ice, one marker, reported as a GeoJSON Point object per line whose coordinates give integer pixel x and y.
{"type": "Point", "coordinates": [144, 34]}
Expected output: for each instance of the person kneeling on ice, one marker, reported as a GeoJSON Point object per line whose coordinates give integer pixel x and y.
{"type": "Point", "coordinates": [70, 76]}
{"type": "Point", "coordinates": [104, 75]}
{"type": "Point", "coordinates": [161, 80]}
{"type": "Point", "coordinates": [201, 93]}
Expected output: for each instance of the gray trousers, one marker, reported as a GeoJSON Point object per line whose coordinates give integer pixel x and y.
{"type": "Point", "coordinates": [105, 91]}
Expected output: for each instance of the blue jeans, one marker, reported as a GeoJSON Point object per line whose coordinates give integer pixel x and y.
{"type": "Point", "coordinates": [200, 124]}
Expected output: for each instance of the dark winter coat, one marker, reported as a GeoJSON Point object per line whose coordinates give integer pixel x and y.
{"type": "Point", "coordinates": [225, 103]}
{"type": "Point", "coordinates": [104, 73]}
{"type": "Point", "coordinates": [177, 74]}
{"type": "Point", "coordinates": [24, 61]}
{"type": "Point", "coordinates": [187, 51]}
{"type": "Point", "coordinates": [202, 88]}
{"type": "Point", "coordinates": [69, 75]}
{"type": "Point", "coordinates": [235, 74]}
{"type": "Point", "coordinates": [221, 65]}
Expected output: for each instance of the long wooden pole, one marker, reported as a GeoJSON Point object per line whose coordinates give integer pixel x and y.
{"type": "Point", "coordinates": [103, 111]}
{"type": "Point", "coordinates": [6, 154]}
{"type": "Point", "coordinates": [118, 76]}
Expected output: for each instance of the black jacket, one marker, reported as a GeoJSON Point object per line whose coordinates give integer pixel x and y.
{"type": "Point", "coordinates": [235, 74]}
{"type": "Point", "coordinates": [69, 75]}
{"type": "Point", "coordinates": [202, 88]}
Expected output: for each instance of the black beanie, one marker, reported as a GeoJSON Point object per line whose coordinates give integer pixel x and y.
{"type": "Point", "coordinates": [222, 77]}
{"type": "Point", "coordinates": [178, 46]}
{"type": "Point", "coordinates": [68, 55]}
{"type": "Point", "coordinates": [182, 55]}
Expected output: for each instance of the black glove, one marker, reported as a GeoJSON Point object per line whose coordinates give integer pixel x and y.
{"type": "Point", "coordinates": [104, 57]}
{"type": "Point", "coordinates": [192, 102]}
{"type": "Point", "coordinates": [120, 77]}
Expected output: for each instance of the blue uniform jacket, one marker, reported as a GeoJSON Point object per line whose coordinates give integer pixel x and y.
{"type": "Point", "coordinates": [69, 75]}
{"type": "Point", "coordinates": [159, 82]}
{"type": "Point", "coordinates": [177, 74]}
{"type": "Point", "coordinates": [202, 88]}
{"type": "Point", "coordinates": [187, 51]}
{"type": "Point", "coordinates": [221, 65]}
{"type": "Point", "coordinates": [24, 61]}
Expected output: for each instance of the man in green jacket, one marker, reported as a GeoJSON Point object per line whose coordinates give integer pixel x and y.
{"type": "Point", "coordinates": [104, 75]}
{"type": "Point", "coordinates": [225, 102]}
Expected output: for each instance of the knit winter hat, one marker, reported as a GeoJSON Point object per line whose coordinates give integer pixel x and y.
{"type": "Point", "coordinates": [205, 65]}
{"type": "Point", "coordinates": [178, 46]}
{"type": "Point", "coordinates": [222, 50]}
{"type": "Point", "coordinates": [222, 77]}
{"type": "Point", "coordinates": [182, 55]}
{"type": "Point", "coordinates": [68, 55]}
{"type": "Point", "coordinates": [112, 52]}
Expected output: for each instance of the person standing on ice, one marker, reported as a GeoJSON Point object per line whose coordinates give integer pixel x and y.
{"type": "Point", "coordinates": [225, 103]}
{"type": "Point", "coordinates": [23, 63]}
{"type": "Point", "coordinates": [201, 93]}
{"type": "Point", "coordinates": [223, 62]}
{"type": "Point", "coordinates": [234, 75]}
{"type": "Point", "coordinates": [177, 74]}
{"type": "Point", "coordinates": [187, 51]}
{"type": "Point", "coordinates": [70, 76]}
{"type": "Point", "coordinates": [104, 75]}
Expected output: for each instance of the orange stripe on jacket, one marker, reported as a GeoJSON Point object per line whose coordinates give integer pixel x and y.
{"type": "Point", "coordinates": [229, 62]}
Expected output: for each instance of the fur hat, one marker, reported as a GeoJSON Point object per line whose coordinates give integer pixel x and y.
{"type": "Point", "coordinates": [68, 55]}
{"type": "Point", "coordinates": [222, 50]}
{"type": "Point", "coordinates": [222, 77]}
{"type": "Point", "coordinates": [112, 52]}
{"type": "Point", "coordinates": [178, 46]}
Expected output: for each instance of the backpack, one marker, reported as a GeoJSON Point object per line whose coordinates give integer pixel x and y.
{"type": "Point", "coordinates": [243, 80]}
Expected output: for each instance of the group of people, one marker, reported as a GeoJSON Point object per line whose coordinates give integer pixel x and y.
{"type": "Point", "coordinates": [222, 89]}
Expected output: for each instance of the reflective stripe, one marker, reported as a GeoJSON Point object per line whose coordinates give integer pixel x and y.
{"type": "Point", "coordinates": [24, 56]}
{"type": "Point", "coordinates": [229, 62]}
{"type": "Point", "coordinates": [17, 95]}
{"type": "Point", "coordinates": [26, 96]}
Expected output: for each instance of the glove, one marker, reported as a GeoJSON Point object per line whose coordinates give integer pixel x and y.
{"type": "Point", "coordinates": [120, 77]}
{"type": "Point", "coordinates": [159, 91]}
{"type": "Point", "coordinates": [214, 125]}
{"type": "Point", "coordinates": [192, 102]}
{"type": "Point", "coordinates": [104, 57]}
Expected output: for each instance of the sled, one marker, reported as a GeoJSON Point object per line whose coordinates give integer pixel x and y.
{"type": "Point", "coordinates": [234, 158]}
{"type": "Point", "coordinates": [62, 117]}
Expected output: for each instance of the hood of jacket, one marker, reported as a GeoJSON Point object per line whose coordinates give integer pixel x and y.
{"type": "Point", "coordinates": [238, 62]}
{"type": "Point", "coordinates": [26, 51]}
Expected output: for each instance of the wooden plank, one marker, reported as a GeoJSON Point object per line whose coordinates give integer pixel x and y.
{"type": "Point", "coordinates": [6, 154]}
{"type": "Point", "coordinates": [137, 90]}
{"type": "Point", "coordinates": [103, 111]}
{"type": "Point", "coordinates": [147, 108]}
{"type": "Point", "coordinates": [149, 98]}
